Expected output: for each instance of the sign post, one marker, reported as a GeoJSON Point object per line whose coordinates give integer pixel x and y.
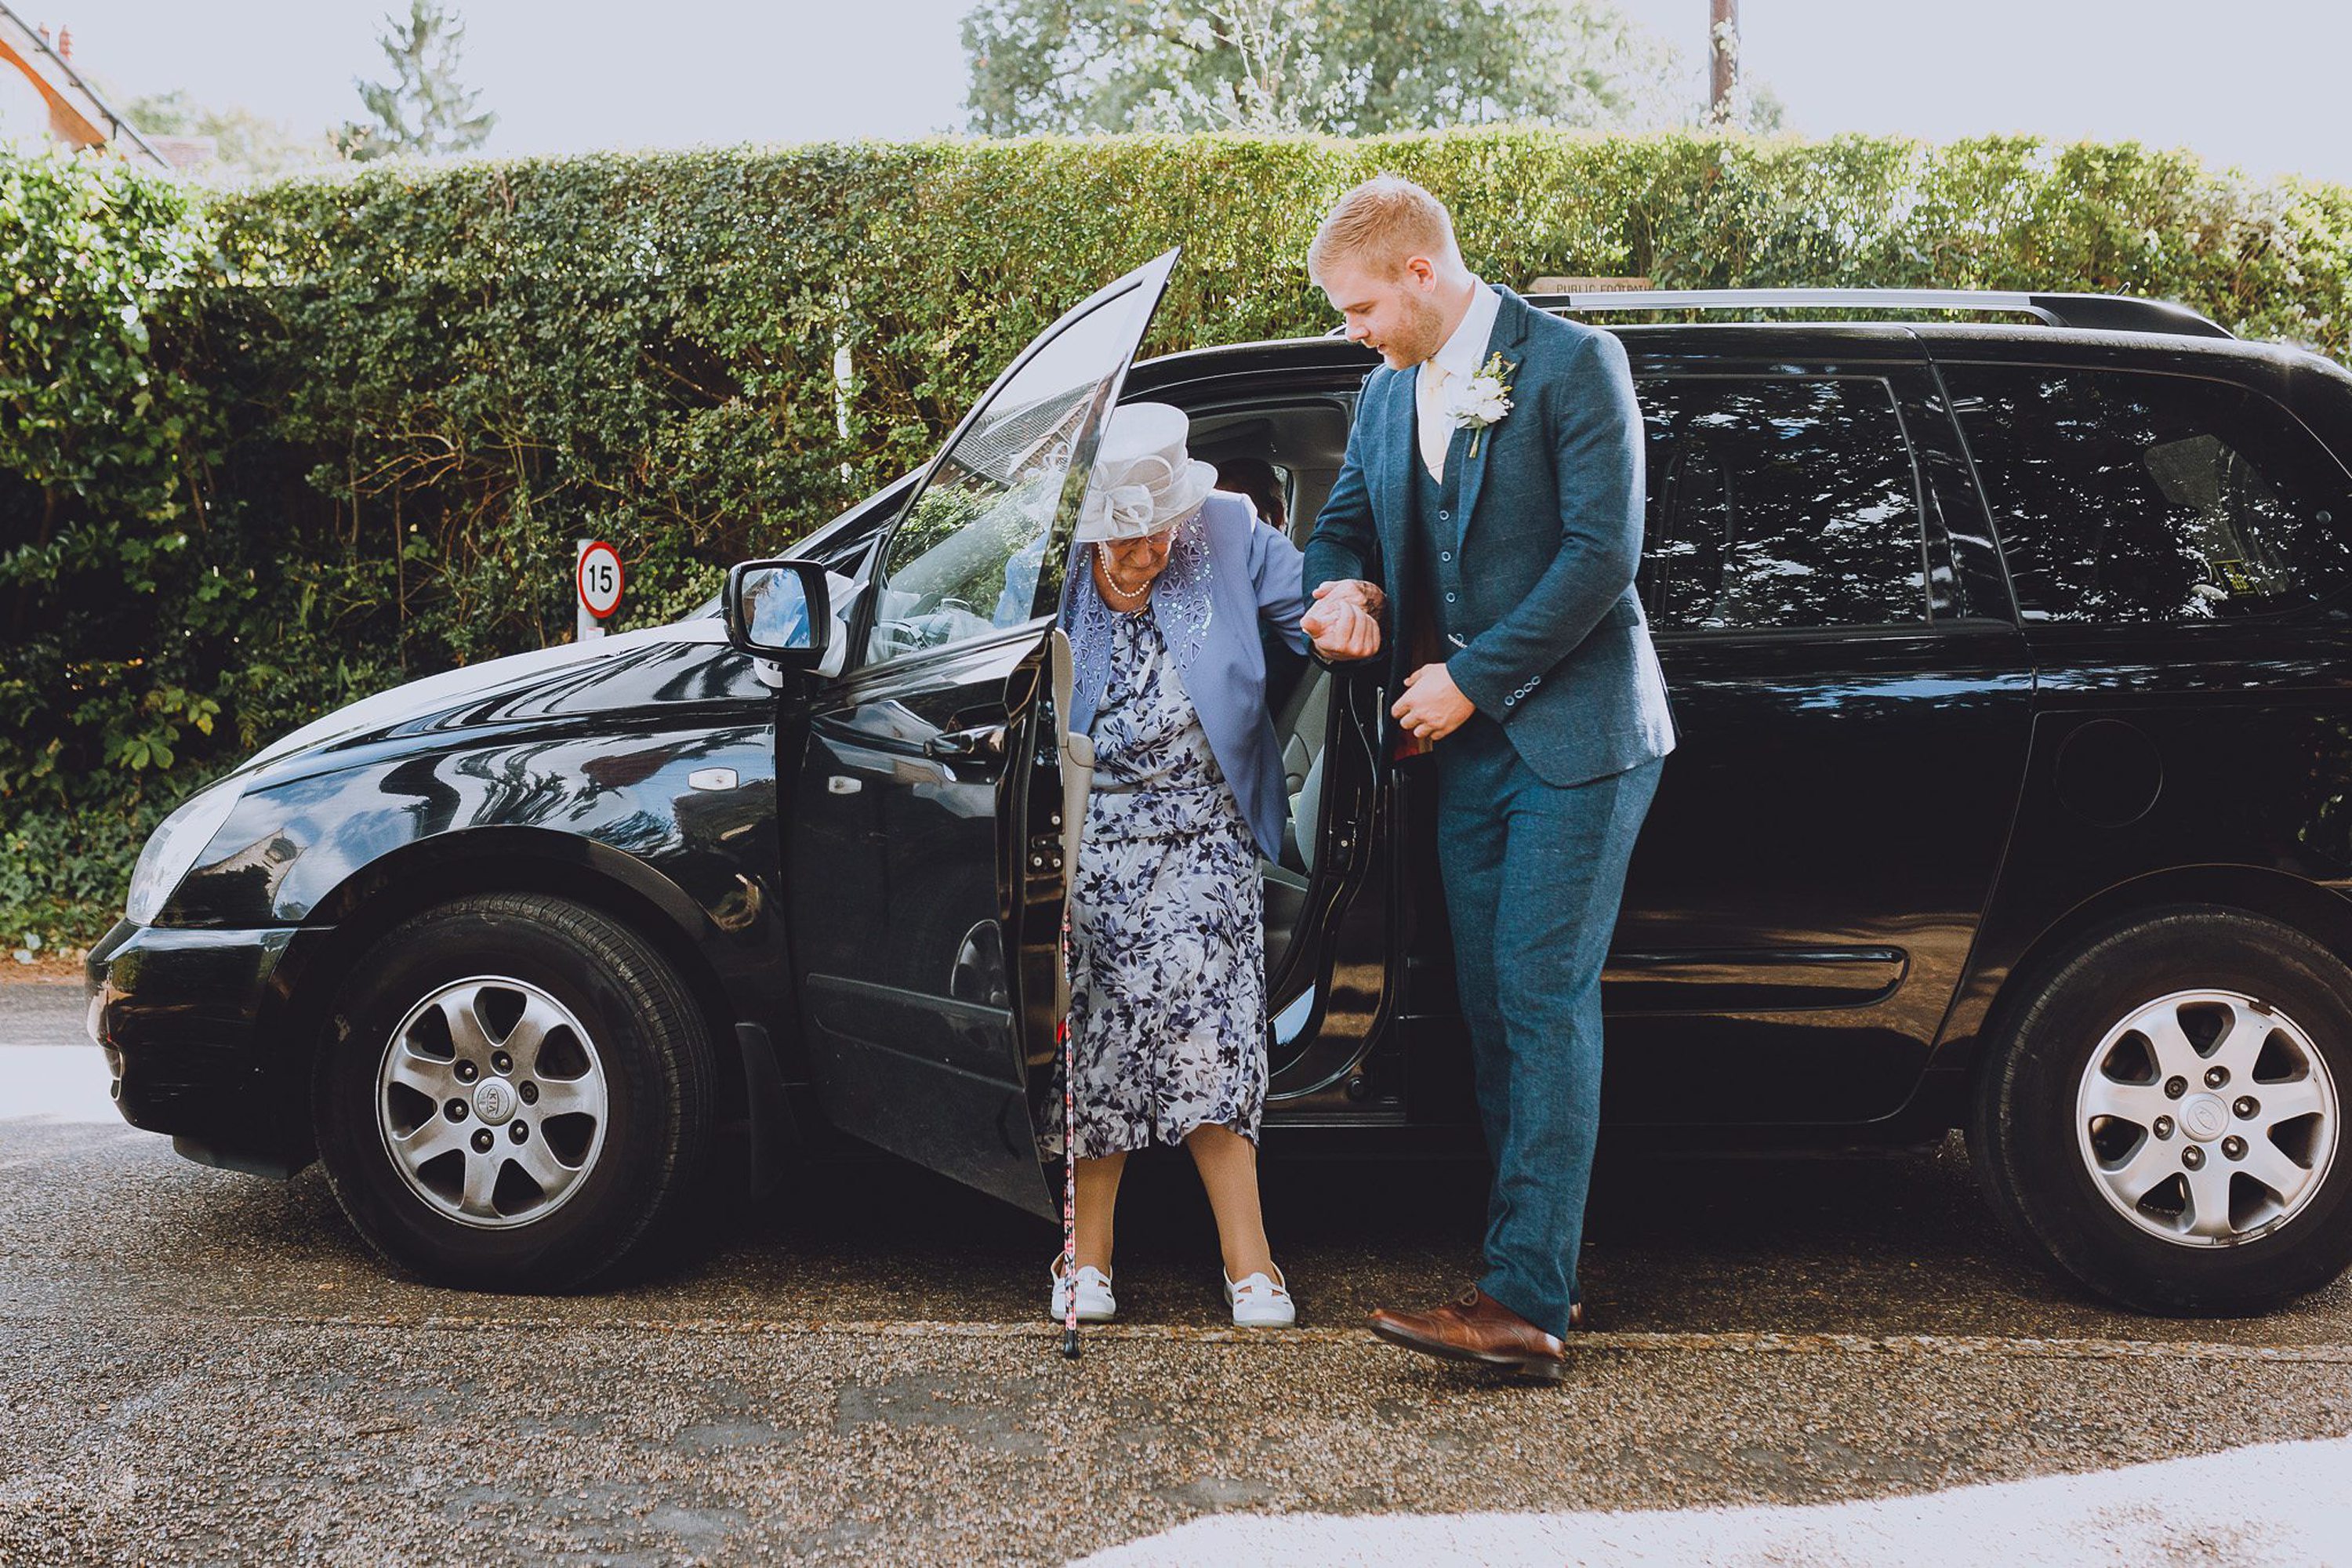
{"type": "Point", "coordinates": [596, 578]}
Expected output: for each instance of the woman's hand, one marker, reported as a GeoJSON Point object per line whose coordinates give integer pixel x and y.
{"type": "Point", "coordinates": [1369, 597]}
{"type": "Point", "coordinates": [1342, 631]}
{"type": "Point", "coordinates": [1344, 623]}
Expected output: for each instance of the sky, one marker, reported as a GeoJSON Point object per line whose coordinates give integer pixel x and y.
{"type": "Point", "coordinates": [2253, 83]}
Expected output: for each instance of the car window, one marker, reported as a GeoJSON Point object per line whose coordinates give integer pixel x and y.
{"type": "Point", "coordinates": [967, 559]}
{"type": "Point", "coordinates": [1780, 502]}
{"type": "Point", "coordinates": [2123, 496]}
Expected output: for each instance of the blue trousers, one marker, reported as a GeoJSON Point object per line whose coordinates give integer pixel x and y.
{"type": "Point", "coordinates": [1534, 874]}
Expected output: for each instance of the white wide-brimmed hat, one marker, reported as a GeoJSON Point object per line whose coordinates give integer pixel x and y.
{"type": "Point", "coordinates": [1143, 482]}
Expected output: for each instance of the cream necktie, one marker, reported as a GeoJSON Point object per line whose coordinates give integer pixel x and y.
{"type": "Point", "coordinates": [1429, 406]}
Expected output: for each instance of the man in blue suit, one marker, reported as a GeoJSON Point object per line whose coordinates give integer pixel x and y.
{"type": "Point", "coordinates": [1485, 531]}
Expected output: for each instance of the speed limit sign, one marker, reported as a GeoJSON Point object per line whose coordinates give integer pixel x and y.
{"type": "Point", "coordinates": [599, 579]}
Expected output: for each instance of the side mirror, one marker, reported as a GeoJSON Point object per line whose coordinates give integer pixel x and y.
{"type": "Point", "coordinates": [780, 611]}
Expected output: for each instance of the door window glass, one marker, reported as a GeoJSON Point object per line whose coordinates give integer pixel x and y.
{"type": "Point", "coordinates": [1780, 502]}
{"type": "Point", "coordinates": [970, 556]}
{"type": "Point", "coordinates": [2121, 496]}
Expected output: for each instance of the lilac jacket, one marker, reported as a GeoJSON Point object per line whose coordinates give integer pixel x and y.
{"type": "Point", "coordinates": [1226, 573]}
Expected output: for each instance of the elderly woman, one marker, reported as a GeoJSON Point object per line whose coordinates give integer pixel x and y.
{"type": "Point", "coordinates": [1170, 581]}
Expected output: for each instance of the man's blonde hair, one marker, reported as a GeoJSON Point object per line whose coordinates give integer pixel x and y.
{"type": "Point", "coordinates": [1383, 223]}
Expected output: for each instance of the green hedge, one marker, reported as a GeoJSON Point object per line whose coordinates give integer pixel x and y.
{"type": "Point", "coordinates": [264, 452]}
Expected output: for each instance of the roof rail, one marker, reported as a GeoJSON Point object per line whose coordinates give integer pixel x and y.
{"type": "Point", "coordinates": [2100, 312]}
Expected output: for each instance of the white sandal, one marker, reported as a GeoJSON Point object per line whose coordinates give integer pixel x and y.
{"type": "Point", "coordinates": [1261, 1301]}
{"type": "Point", "coordinates": [1096, 1303]}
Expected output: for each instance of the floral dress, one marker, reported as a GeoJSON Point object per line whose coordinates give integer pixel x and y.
{"type": "Point", "coordinates": [1168, 945]}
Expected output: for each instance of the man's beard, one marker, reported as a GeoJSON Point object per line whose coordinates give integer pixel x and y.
{"type": "Point", "coordinates": [1424, 333]}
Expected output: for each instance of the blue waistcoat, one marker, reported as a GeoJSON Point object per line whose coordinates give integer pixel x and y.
{"type": "Point", "coordinates": [1544, 532]}
{"type": "Point", "coordinates": [1434, 506]}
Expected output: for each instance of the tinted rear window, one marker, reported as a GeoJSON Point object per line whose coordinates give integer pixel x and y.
{"type": "Point", "coordinates": [1780, 502]}
{"type": "Point", "coordinates": [2122, 496]}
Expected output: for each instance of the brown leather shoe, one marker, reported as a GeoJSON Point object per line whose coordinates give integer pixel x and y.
{"type": "Point", "coordinates": [1475, 1327]}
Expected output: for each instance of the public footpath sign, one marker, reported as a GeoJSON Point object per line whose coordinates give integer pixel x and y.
{"type": "Point", "coordinates": [598, 578]}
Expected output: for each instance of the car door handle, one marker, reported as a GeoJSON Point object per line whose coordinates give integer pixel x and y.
{"type": "Point", "coordinates": [962, 746]}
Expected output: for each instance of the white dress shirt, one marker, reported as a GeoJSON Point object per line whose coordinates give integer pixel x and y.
{"type": "Point", "coordinates": [1463, 356]}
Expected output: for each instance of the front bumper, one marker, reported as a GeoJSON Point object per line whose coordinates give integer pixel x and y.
{"type": "Point", "coordinates": [180, 1015]}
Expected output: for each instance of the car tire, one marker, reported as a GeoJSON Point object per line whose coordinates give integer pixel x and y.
{"type": "Point", "coordinates": [2149, 1060]}
{"type": "Point", "coordinates": [515, 1093]}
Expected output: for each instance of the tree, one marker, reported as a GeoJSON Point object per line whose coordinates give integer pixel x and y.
{"type": "Point", "coordinates": [1348, 67]}
{"type": "Point", "coordinates": [245, 145]}
{"type": "Point", "coordinates": [422, 109]}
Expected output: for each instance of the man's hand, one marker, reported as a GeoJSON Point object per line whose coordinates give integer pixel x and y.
{"type": "Point", "coordinates": [1433, 707]}
{"type": "Point", "coordinates": [1343, 623]}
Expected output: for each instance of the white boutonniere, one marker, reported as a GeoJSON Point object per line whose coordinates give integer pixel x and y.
{"type": "Point", "coordinates": [1482, 400]}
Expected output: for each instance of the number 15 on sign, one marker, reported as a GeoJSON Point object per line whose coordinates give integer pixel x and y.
{"type": "Point", "coordinates": [599, 580]}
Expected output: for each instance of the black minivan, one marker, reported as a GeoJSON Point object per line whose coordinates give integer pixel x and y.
{"type": "Point", "coordinates": [2012, 667]}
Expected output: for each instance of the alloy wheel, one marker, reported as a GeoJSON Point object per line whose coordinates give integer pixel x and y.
{"type": "Point", "coordinates": [2206, 1118]}
{"type": "Point", "coordinates": [491, 1100]}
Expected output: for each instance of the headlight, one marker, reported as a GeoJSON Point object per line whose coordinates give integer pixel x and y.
{"type": "Point", "coordinates": [174, 846]}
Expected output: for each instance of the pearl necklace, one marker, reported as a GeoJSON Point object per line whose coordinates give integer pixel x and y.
{"type": "Point", "coordinates": [1120, 590]}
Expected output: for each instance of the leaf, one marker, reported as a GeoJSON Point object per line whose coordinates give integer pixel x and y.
{"type": "Point", "coordinates": [263, 451]}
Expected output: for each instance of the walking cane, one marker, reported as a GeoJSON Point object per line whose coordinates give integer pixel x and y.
{"type": "Point", "coordinates": [1069, 1174]}
{"type": "Point", "coordinates": [1077, 759]}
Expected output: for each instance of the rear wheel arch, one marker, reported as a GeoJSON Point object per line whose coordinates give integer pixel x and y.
{"type": "Point", "coordinates": [2325, 917]}
{"type": "Point", "coordinates": [2027, 1099]}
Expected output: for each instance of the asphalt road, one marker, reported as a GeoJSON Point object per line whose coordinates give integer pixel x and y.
{"type": "Point", "coordinates": [198, 1367]}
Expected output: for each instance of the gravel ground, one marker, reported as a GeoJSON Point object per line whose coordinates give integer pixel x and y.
{"type": "Point", "coordinates": [200, 1367]}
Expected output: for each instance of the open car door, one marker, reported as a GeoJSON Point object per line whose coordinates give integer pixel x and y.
{"type": "Point", "coordinates": [926, 848]}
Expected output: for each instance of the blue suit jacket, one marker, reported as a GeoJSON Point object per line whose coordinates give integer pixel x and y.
{"type": "Point", "coordinates": [1550, 534]}
{"type": "Point", "coordinates": [1253, 576]}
